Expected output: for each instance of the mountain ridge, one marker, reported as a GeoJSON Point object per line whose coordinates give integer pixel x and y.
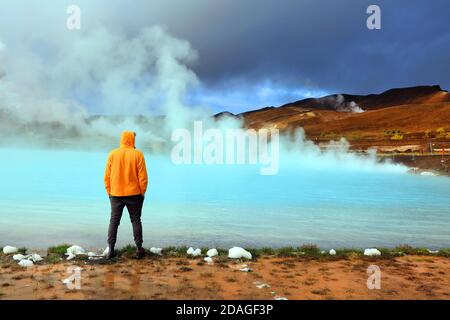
{"type": "Point", "coordinates": [417, 115]}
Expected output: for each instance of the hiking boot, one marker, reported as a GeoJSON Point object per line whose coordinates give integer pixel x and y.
{"type": "Point", "coordinates": [112, 254]}
{"type": "Point", "coordinates": [140, 253]}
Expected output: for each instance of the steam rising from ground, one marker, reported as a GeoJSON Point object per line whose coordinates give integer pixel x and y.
{"type": "Point", "coordinates": [47, 92]}
{"type": "Point", "coordinates": [51, 86]}
{"type": "Point", "coordinates": [339, 104]}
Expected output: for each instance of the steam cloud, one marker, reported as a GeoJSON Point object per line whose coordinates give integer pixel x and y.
{"type": "Point", "coordinates": [339, 104]}
{"type": "Point", "coordinates": [49, 96]}
{"type": "Point", "coordinates": [62, 87]}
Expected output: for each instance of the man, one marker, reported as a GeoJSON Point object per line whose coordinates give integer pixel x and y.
{"type": "Point", "coordinates": [126, 183]}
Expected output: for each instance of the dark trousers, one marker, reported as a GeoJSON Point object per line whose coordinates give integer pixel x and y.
{"type": "Point", "coordinates": [134, 207]}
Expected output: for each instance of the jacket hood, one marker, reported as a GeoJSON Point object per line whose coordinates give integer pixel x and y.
{"type": "Point", "coordinates": [127, 139]}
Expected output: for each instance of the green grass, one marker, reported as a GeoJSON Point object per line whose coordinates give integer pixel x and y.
{"type": "Point", "coordinates": [222, 252]}
{"type": "Point", "coordinates": [406, 249]}
{"type": "Point", "coordinates": [310, 250]}
{"type": "Point", "coordinates": [267, 251]}
{"type": "Point", "coordinates": [53, 258]}
{"type": "Point", "coordinates": [175, 252]}
{"type": "Point", "coordinates": [127, 250]}
{"type": "Point", "coordinates": [59, 249]}
{"type": "Point", "coordinates": [284, 252]}
{"type": "Point", "coordinates": [444, 253]}
{"type": "Point", "coordinates": [348, 252]}
{"type": "Point", "coordinates": [306, 251]}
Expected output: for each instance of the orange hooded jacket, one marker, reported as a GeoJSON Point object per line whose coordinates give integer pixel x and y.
{"type": "Point", "coordinates": [125, 172]}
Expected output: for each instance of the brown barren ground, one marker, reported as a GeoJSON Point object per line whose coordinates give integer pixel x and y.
{"type": "Point", "coordinates": [420, 117]}
{"type": "Point", "coordinates": [407, 277]}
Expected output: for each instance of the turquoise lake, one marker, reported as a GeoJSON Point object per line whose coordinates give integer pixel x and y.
{"type": "Point", "coordinates": [50, 197]}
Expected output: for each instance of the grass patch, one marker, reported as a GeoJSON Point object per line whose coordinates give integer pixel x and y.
{"type": "Point", "coordinates": [285, 252]}
{"type": "Point", "coordinates": [56, 254]}
{"type": "Point", "coordinates": [220, 259]}
{"type": "Point", "coordinates": [444, 253]}
{"type": "Point", "coordinates": [406, 249]}
{"type": "Point", "coordinates": [53, 258]}
{"type": "Point", "coordinates": [387, 253]}
{"type": "Point", "coordinates": [60, 249]}
{"type": "Point", "coordinates": [267, 251]}
{"type": "Point", "coordinates": [175, 251]}
{"type": "Point", "coordinates": [127, 250]}
{"type": "Point", "coordinates": [348, 253]}
{"type": "Point", "coordinates": [222, 252]}
{"type": "Point", "coordinates": [310, 250]}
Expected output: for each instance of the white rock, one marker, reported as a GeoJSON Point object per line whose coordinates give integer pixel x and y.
{"type": "Point", "coordinates": [73, 251]}
{"type": "Point", "coordinates": [372, 252]}
{"type": "Point", "coordinates": [280, 298]}
{"type": "Point", "coordinates": [261, 285]}
{"type": "Point", "coordinates": [105, 252]}
{"type": "Point", "coordinates": [209, 260]}
{"type": "Point", "coordinates": [157, 251]}
{"type": "Point", "coordinates": [9, 249]}
{"type": "Point", "coordinates": [26, 263]}
{"type": "Point", "coordinates": [212, 252]}
{"type": "Point", "coordinates": [35, 257]}
{"type": "Point", "coordinates": [428, 173]}
{"type": "Point", "coordinates": [95, 257]}
{"type": "Point", "coordinates": [332, 252]}
{"type": "Point", "coordinates": [19, 257]}
{"type": "Point", "coordinates": [238, 252]}
{"type": "Point", "coordinates": [194, 253]}
{"type": "Point", "coordinates": [246, 269]}
{"type": "Point", "coordinates": [433, 251]}
{"type": "Point", "coordinates": [76, 250]}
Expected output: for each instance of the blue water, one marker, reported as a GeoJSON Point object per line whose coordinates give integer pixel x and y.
{"type": "Point", "coordinates": [54, 196]}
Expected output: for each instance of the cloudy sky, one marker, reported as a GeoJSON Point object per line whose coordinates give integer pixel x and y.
{"type": "Point", "coordinates": [254, 53]}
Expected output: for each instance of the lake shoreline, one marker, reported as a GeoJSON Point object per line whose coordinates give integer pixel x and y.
{"type": "Point", "coordinates": [270, 274]}
{"type": "Point", "coordinates": [436, 164]}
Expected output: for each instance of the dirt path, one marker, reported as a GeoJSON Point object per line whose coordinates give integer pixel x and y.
{"type": "Point", "coordinates": [409, 277]}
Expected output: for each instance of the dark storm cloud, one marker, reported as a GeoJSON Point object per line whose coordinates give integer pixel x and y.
{"type": "Point", "coordinates": [321, 45]}
{"type": "Point", "coordinates": [325, 44]}
{"type": "Point", "coordinates": [266, 52]}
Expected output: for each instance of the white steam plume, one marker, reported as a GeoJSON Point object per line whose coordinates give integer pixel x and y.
{"type": "Point", "coordinates": [102, 70]}
{"type": "Point", "coordinates": [340, 105]}
{"type": "Point", "coordinates": [53, 80]}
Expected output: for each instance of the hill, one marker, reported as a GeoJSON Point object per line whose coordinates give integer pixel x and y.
{"type": "Point", "coordinates": [397, 117]}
